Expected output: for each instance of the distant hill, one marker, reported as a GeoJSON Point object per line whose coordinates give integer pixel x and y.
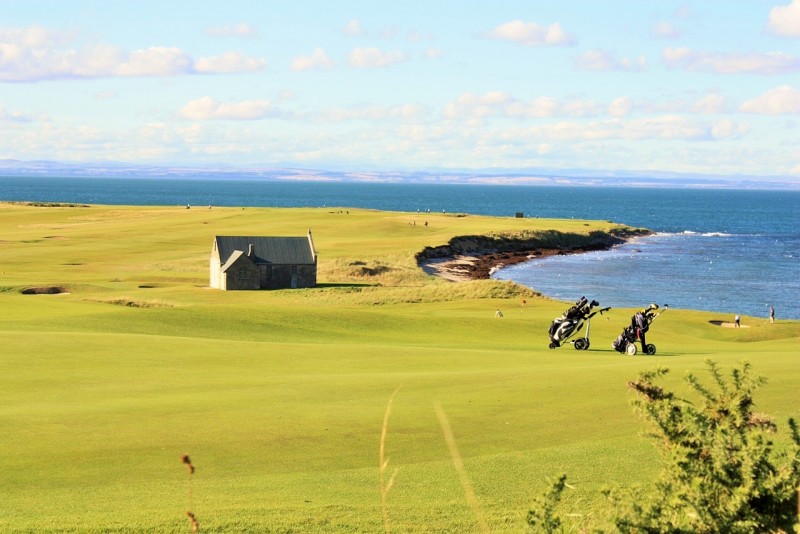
{"type": "Point", "coordinates": [542, 176]}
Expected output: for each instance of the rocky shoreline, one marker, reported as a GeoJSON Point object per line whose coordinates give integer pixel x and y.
{"type": "Point", "coordinates": [478, 257]}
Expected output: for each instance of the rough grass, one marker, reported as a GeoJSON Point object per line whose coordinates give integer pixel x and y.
{"type": "Point", "coordinates": [280, 398]}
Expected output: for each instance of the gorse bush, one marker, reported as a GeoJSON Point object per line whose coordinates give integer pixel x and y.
{"type": "Point", "coordinates": [720, 471]}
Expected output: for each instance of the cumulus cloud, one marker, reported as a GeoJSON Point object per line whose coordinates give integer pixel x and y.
{"type": "Point", "coordinates": [711, 104]}
{"type": "Point", "coordinates": [155, 61]}
{"type": "Point", "coordinates": [728, 129]}
{"type": "Point", "coordinates": [229, 62]}
{"type": "Point", "coordinates": [474, 109]}
{"type": "Point", "coordinates": [778, 101]}
{"type": "Point", "coordinates": [604, 61]}
{"type": "Point", "coordinates": [374, 58]}
{"type": "Point", "coordinates": [37, 54]}
{"type": "Point", "coordinates": [532, 34]}
{"type": "Point", "coordinates": [620, 107]}
{"type": "Point", "coordinates": [317, 60]}
{"type": "Point", "coordinates": [785, 20]}
{"type": "Point", "coordinates": [721, 63]}
{"type": "Point", "coordinates": [665, 30]}
{"type": "Point", "coordinates": [206, 108]}
{"type": "Point", "coordinates": [353, 28]}
{"type": "Point", "coordinates": [665, 127]}
{"type": "Point", "coordinates": [433, 53]}
{"type": "Point", "coordinates": [238, 30]}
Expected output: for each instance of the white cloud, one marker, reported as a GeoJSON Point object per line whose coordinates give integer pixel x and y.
{"type": "Point", "coordinates": [728, 129]}
{"type": "Point", "coordinates": [353, 28]}
{"type": "Point", "coordinates": [207, 108]}
{"type": "Point", "coordinates": [474, 109]}
{"type": "Point", "coordinates": [665, 127]}
{"type": "Point", "coordinates": [374, 58]}
{"type": "Point", "coordinates": [317, 60]}
{"type": "Point", "coordinates": [753, 63]}
{"type": "Point", "coordinates": [37, 54]}
{"type": "Point", "coordinates": [665, 30]}
{"type": "Point", "coordinates": [532, 34]}
{"type": "Point", "coordinates": [711, 104]}
{"type": "Point", "coordinates": [238, 30]}
{"type": "Point", "coordinates": [229, 62]}
{"type": "Point", "coordinates": [778, 101]}
{"type": "Point", "coordinates": [785, 20]}
{"type": "Point", "coordinates": [155, 61]}
{"type": "Point", "coordinates": [604, 61]}
{"type": "Point", "coordinates": [620, 107]}
{"type": "Point", "coordinates": [433, 53]}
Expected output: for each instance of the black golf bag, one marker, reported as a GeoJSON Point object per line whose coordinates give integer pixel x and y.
{"type": "Point", "coordinates": [640, 324]}
{"type": "Point", "coordinates": [571, 321]}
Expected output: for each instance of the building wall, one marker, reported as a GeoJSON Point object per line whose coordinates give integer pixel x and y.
{"type": "Point", "coordinates": [288, 276]}
{"type": "Point", "coordinates": [241, 275]}
{"type": "Point", "coordinates": [214, 268]}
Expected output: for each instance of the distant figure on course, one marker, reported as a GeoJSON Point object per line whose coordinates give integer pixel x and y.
{"type": "Point", "coordinates": [498, 313]}
{"type": "Point", "coordinates": [771, 314]}
{"type": "Point", "coordinates": [736, 321]}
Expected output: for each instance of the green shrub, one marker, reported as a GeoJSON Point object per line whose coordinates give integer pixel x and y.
{"type": "Point", "coordinates": [720, 472]}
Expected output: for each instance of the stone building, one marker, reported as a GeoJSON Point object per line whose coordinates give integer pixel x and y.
{"type": "Point", "coordinates": [241, 262]}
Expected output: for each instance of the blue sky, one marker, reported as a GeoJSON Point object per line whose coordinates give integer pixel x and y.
{"type": "Point", "coordinates": [696, 87]}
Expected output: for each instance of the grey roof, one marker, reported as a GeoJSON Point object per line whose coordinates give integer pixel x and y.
{"type": "Point", "coordinates": [279, 250]}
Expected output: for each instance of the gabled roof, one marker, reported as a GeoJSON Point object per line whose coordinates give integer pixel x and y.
{"type": "Point", "coordinates": [279, 250]}
{"type": "Point", "coordinates": [235, 256]}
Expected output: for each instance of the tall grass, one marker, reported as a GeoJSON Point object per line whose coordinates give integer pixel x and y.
{"type": "Point", "coordinates": [386, 483]}
{"type": "Point", "coordinates": [458, 463]}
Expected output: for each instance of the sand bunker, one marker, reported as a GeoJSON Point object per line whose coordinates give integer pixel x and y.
{"type": "Point", "coordinates": [725, 324]}
{"type": "Point", "coordinates": [45, 290]}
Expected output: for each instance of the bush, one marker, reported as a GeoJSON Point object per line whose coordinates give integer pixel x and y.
{"type": "Point", "coordinates": [720, 472]}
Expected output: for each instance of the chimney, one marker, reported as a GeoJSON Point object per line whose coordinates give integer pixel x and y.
{"type": "Point", "coordinates": [250, 250]}
{"type": "Point", "coordinates": [311, 244]}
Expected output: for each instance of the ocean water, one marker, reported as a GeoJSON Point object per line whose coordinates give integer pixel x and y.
{"type": "Point", "coordinates": [726, 251]}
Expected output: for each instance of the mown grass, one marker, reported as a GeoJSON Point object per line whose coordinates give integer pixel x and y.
{"type": "Point", "coordinates": [280, 397]}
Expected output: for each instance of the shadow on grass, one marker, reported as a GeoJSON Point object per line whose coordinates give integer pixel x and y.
{"type": "Point", "coordinates": [344, 284]}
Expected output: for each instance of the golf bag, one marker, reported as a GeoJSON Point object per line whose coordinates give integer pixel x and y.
{"type": "Point", "coordinates": [640, 324]}
{"type": "Point", "coordinates": [570, 323]}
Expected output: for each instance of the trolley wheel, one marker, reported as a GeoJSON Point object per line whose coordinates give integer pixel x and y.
{"type": "Point", "coordinates": [630, 350]}
{"type": "Point", "coordinates": [650, 349]}
{"type": "Point", "coordinates": [553, 345]}
{"type": "Point", "coordinates": [581, 343]}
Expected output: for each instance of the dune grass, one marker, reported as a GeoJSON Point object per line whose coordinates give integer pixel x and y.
{"type": "Point", "coordinates": [289, 403]}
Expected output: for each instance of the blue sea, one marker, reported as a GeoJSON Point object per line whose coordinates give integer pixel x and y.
{"type": "Point", "coordinates": [720, 250]}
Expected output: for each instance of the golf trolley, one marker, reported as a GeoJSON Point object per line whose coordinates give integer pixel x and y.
{"type": "Point", "coordinates": [570, 323]}
{"type": "Point", "coordinates": [640, 324]}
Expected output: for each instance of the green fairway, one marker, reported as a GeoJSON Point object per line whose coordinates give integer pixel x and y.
{"type": "Point", "coordinates": [280, 397]}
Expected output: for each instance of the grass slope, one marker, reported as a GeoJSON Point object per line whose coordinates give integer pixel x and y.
{"type": "Point", "coordinates": [279, 397]}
